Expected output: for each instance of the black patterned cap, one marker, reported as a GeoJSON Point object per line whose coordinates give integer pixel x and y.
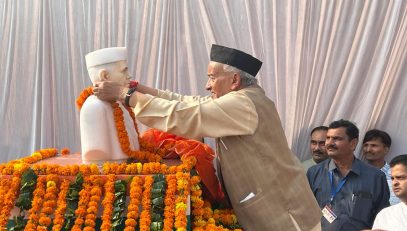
{"type": "Point", "coordinates": [235, 58]}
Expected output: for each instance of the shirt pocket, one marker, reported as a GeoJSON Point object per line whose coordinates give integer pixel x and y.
{"type": "Point", "coordinates": [362, 205]}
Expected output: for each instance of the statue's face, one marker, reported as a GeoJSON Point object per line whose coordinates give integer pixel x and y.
{"type": "Point", "coordinates": [120, 73]}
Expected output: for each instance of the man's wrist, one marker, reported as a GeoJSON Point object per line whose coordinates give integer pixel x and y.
{"type": "Point", "coordinates": [128, 96]}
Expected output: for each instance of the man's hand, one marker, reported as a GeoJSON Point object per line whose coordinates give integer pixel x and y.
{"type": "Point", "coordinates": [109, 91]}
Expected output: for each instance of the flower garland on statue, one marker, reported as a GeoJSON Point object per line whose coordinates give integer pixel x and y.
{"type": "Point", "coordinates": [121, 129]}
{"type": "Point", "coordinates": [136, 191]}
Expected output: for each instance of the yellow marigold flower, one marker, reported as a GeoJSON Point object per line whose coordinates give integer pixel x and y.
{"type": "Point", "coordinates": [37, 155]}
{"type": "Point", "coordinates": [211, 221]}
{"type": "Point", "coordinates": [180, 205]}
{"type": "Point", "coordinates": [51, 183]}
{"type": "Point", "coordinates": [139, 167]}
{"type": "Point", "coordinates": [18, 166]}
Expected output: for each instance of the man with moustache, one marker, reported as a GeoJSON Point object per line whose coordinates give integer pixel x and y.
{"type": "Point", "coordinates": [376, 145]}
{"type": "Point", "coordinates": [349, 192]}
{"type": "Point", "coordinates": [394, 218]}
{"type": "Point", "coordinates": [317, 145]}
{"type": "Point", "coordinates": [263, 179]}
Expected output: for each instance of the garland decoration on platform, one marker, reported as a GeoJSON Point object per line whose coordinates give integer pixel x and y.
{"type": "Point", "coordinates": [145, 217]}
{"type": "Point", "coordinates": [181, 201]}
{"type": "Point", "coordinates": [169, 201]}
{"type": "Point", "coordinates": [136, 191]}
{"type": "Point", "coordinates": [61, 206]}
{"type": "Point", "coordinates": [24, 200]}
{"type": "Point", "coordinates": [92, 207]}
{"type": "Point", "coordinates": [9, 198]}
{"type": "Point", "coordinates": [84, 198]}
{"type": "Point", "coordinates": [50, 202]}
{"type": "Point", "coordinates": [108, 203]}
{"type": "Point", "coordinates": [72, 199]}
{"type": "Point", "coordinates": [37, 203]}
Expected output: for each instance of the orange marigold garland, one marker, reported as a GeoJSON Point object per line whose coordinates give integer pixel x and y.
{"type": "Point", "coordinates": [121, 128]}
{"type": "Point", "coordinates": [58, 221]}
{"type": "Point", "coordinates": [181, 201]}
{"type": "Point", "coordinates": [169, 201]}
{"type": "Point", "coordinates": [108, 203]}
{"type": "Point", "coordinates": [136, 191]}
{"type": "Point", "coordinates": [8, 200]}
{"type": "Point", "coordinates": [92, 208]}
{"type": "Point", "coordinates": [197, 202]}
{"type": "Point", "coordinates": [39, 192]}
{"type": "Point", "coordinates": [50, 202]}
{"type": "Point", "coordinates": [84, 197]}
{"type": "Point", "coordinates": [4, 187]}
{"type": "Point", "coordinates": [124, 138]}
{"type": "Point", "coordinates": [145, 217]}
{"type": "Point", "coordinates": [83, 96]}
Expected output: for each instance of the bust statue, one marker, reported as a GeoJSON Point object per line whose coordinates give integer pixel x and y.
{"type": "Point", "coordinates": [99, 136]}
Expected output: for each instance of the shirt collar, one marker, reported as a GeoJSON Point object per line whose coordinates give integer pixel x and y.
{"type": "Point", "coordinates": [385, 167]}
{"type": "Point", "coordinates": [356, 168]}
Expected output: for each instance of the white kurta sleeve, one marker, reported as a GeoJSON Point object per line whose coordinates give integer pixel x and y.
{"type": "Point", "coordinates": [196, 117]}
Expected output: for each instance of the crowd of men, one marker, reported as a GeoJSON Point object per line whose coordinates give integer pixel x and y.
{"type": "Point", "coordinates": [355, 194]}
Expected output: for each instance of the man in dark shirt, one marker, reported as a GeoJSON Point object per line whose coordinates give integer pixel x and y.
{"type": "Point", "coordinates": [349, 192]}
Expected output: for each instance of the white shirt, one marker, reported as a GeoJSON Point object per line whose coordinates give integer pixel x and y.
{"type": "Point", "coordinates": [393, 218]}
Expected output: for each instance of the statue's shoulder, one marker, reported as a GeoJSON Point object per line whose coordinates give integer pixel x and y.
{"type": "Point", "coordinates": [94, 104]}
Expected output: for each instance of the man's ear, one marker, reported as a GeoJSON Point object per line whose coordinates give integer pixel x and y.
{"type": "Point", "coordinates": [236, 82]}
{"type": "Point", "coordinates": [354, 143]}
{"type": "Point", "coordinates": [103, 75]}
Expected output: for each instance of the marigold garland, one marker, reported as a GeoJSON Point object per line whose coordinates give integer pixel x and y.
{"type": "Point", "coordinates": [169, 201]}
{"type": "Point", "coordinates": [124, 138]}
{"type": "Point", "coordinates": [181, 201]}
{"type": "Point", "coordinates": [58, 221]}
{"type": "Point", "coordinates": [92, 207]}
{"type": "Point", "coordinates": [136, 191]}
{"type": "Point", "coordinates": [108, 203]}
{"type": "Point", "coordinates": [4, 187]}
{"type": "Point", "coordinates": [145, 217]}
{"type": "Point", "coordinates": [39, 192]}
{"type": "Point", "coordinates": [121, 128]}
{"type": "Point", "coordinates": [49, 202]}
{"type": "Point", "coordinates": [20, 165]}
{"type": "Point", "coordinates": [81, 211]}
{"type": "Point", "coordinates": [8, 200]}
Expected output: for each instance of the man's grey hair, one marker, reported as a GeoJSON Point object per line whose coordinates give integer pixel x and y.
{"type": "Point", "coordinates": [246, 78]}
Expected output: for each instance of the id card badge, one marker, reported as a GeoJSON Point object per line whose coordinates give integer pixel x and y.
{"type": "Point", "coordinates": [329, 215]}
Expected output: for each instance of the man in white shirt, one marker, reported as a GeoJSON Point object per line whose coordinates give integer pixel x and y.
{"type": "Point", "coordinates": [394, 218]}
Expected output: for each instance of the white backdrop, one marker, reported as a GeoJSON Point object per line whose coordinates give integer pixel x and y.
{"type": "Point", "coordinates": [322, 60]}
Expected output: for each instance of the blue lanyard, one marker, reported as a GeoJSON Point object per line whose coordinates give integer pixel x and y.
{"type": "Point", "coordinates": [340, 185]}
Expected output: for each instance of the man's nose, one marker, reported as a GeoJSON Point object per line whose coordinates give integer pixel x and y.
{"type": "Point", "coordinates": [208, 86]}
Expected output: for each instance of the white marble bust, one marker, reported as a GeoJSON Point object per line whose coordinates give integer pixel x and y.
{"type": "Point", "coordinates": [99, 139]}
